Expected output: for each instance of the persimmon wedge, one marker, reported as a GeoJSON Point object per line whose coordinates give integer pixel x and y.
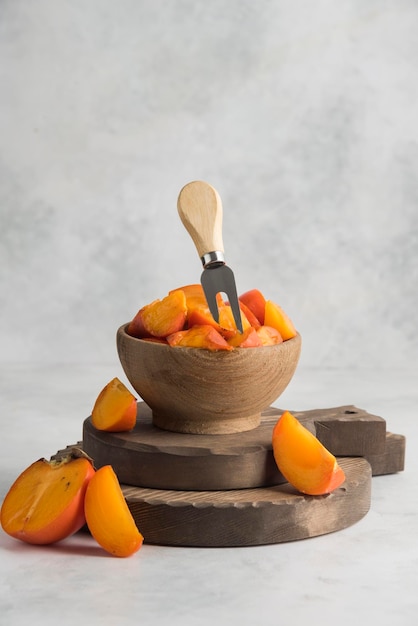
{"type": "Point", "coordinates": [194, 294]}
{"type": "Point", "coordinates": [108, 516]}
{"type": "Point", "coordinates": [115, 408]}
{"type": "Point", "coordinates": [256, 302]}
{"type": "Point", "coordinates": [199, 336]}
{"type": "Point", "coordinates": [136, 326]}
{"type": "Point", "coordinates": [201, 316]}
{"type": "Point", "coordinates": [303, 460]}
{"type": "Point", "coordinates": [45, 504]}
{"type": "Point", "coordinates": [277, 318]}
{"type": "Point", "coordinates": [164, 317]}
{"type": "Point", "coordinates": [269, 336]}
{"type": "Point", "coordinates": [249, 338]}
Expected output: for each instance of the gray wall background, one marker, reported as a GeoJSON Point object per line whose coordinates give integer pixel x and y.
{"type": "Point", "coordinates": [303, 114]}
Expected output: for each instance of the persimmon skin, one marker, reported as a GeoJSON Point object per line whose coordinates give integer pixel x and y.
{"type": "Point", "coordinates": [252, 319]}
{"type": "Point", "coordinates": [115, 408]}
{"type": "Point", "coordinates": [303, 460]}
{"type": "Point", "coordinates": [255, 301]}
{"type": "Point", "coordinates": [108, 517]}
{"type": "Point", "coordinates": [45, 504]}
{"type": "Point", "coordinates": [136, 326]}
{"type": "Point", "coordinates": [227, 321]}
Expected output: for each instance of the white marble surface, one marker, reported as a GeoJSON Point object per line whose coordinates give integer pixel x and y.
{"type": "Point", "coordinates": [367, 573]}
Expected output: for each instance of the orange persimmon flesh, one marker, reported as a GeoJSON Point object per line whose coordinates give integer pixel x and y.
{"type": "Point", "coordinates": [204, 336]}
{"type": "Point", "coordinates": [185, 309]}
{"type": "Point", "coordinates": [194, 294]}
{"type": "Point", "coordinates": [249, 338]}
{"type": "Point", "coordinates": [275, 316]}
{"type": "Point", "coordinates": [108, 516]}
{"type": "Point", "coordinates": [227, 321]}
{"type": "Point", "coordinates": [269, 336]}
{"type": "Point", "coordinates": [302, 459]}
{"type": "Point", "coordinates": [166, 316]}
{"type": "Point", "coordinates": [200, 315]}
{"type": "Point", "coordinates": [115, 408]}
{"type": "Point", "coordinates": [45, 504]}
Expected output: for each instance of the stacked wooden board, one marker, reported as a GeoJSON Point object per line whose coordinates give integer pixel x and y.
{"type": "Point", "coordinates": [226, 490]}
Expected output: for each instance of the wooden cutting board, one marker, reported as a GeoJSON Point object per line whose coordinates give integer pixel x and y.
{"type": "Point", "coordinates": [150, 457]}
{"type": "Point", "coordinates": [249, 517]}
{"type": "Point", "coordinates": [225, 490]}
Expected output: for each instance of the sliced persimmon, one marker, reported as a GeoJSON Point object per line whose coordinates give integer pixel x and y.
{"type": "Point", "coordinates": [194, 294]}
{"type": "Point", "coordinates": [166, 316]}
{"type": "Point", "coordinates": [256, 302]}
{"type": "Point", "coordinates": [249, 315]}
{"type": "Point", "coordinates": [115, 408]}
{"type": "Point", "coordinates": [247, 339]}
{"type": "Point", "coordinates": [205, 336]}
{"type": "Point", "coordinates": [277, 318]}
{"type": "Point", "coordinates": [136, 326]}
{"type": "Point", "coordinates": [108, 516]}
{"type": "Point", "coordinates": [268, 335]}
{"type": "Point", "coordinates": [227, 321]}
{"type": "Point", "coordinates": [303, 459]}
{"type": "Point", "coordinates": [201, 316]}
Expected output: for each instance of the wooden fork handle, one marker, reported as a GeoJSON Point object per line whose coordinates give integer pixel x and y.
{"type": "Point", "coordinates": [200, 209]}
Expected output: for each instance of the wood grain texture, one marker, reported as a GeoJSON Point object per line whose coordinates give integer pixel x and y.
{"type": "Point", "coordinates": [197, 391]}
{"type": "Point", "coordinates": [200, 209]}
{"type": "Point", "coordinates": [392, 460]}
{"type": "Point", "coordinates": [154, 458]}
{"type": "Point", "coordinates": [347, 430]}
{"type": "Point", "coordinates": [249, 517]}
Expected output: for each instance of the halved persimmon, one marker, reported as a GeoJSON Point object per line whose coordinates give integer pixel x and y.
{"type": "Point", "coordinates": [45, 504]}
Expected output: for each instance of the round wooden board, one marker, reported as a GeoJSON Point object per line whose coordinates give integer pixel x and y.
{"type": "Point", "coordinates": [249, 517]}
{"type": "Point", "coordinates": [150, 457]}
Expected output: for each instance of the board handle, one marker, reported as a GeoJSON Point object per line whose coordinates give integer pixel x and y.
{"type": "Point", "coordinates": [200, 208]}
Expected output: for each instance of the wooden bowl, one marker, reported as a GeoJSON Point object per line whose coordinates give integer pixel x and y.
{"type": "Point", "coordinates": [191, 390]}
